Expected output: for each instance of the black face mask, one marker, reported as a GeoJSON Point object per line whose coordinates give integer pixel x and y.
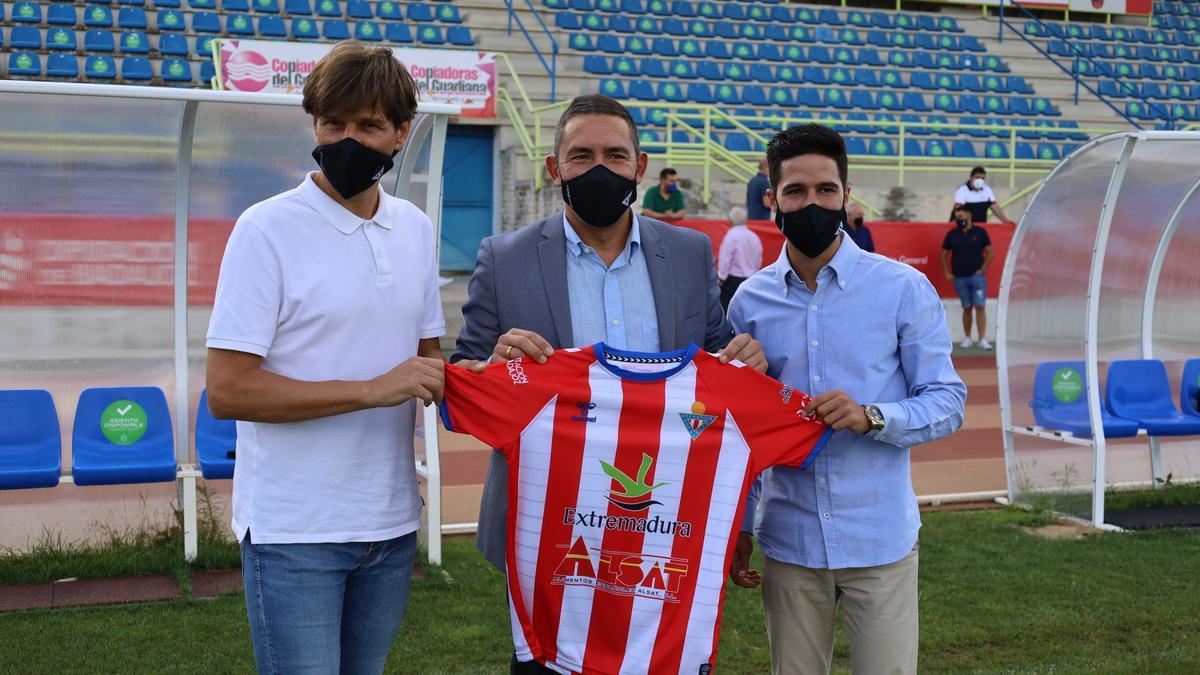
{"type": "Point", "coordinates": [599, 196]}
{"type": "Point", "coordinates": [962, 223]}
{"type": "Point", "coordinates": [350, 166]}
{"type": "Point", "coordinates": [811, 229]}
{"type": "Point", "coordinates": [858, 222]}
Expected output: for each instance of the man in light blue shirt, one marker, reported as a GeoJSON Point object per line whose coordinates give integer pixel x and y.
{"type": "Point", "coordinates": [865, 336]}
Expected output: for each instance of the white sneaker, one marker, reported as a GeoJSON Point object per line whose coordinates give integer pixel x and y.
{"type": "Point", "coordinates": [985, 345]}
{"type": "Point", "coordinates": [966, 343]}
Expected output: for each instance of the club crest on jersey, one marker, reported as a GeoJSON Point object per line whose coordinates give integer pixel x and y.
{"type": "Point", "coordinates": [635, 493]}
{"type": "Point", "coordinates": [696, 421]}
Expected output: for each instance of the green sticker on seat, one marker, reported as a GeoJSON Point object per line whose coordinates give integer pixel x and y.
{"type": "Point", "coordinates": [26, 10]}
{"type": "Point", "coordinates": [175, 68]}
{"type": "Point", "coordinates": [24, 61]}
{"type": "Point", "coordinates": [97, 14]}
{"type": "Point", "coordinates": [1068, 385]}
{"type": "Point", "coordinates": [123, 422]}
{"type": "Point", "coordinates": [60, 37]}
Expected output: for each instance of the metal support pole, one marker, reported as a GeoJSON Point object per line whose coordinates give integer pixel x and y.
{"type": "Point", "coordinates": [1000, 23]}
{"type": "Point", "coordinates": [433, 461]}
{"type": "Point", "coordinates": [1156, 468]}
{"type": "Point", "coordinates": [183, 176]}
{"type": "Point", "coordinates": [1075, 74]}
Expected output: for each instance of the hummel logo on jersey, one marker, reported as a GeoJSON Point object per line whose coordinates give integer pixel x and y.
{"type": "Point", "coordinates": [516, 372]}
{"type": "Point", "coordinates": [584, 408]}
{"type": "Point", "coordinates": [635, 494]}
{"type": "Point", "coordinates": [696, 421]}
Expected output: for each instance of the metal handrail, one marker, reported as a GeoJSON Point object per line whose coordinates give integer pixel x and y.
{"type": "Point", "coordinates": [1073, 70]}
{"type": "Point", "coordinates": [552, 67]}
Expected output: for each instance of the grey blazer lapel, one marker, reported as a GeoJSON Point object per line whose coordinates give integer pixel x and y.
{"type": "Point", "coordinates": [552, 256]}
{"type": "Point", "coordinates": [662, 282]}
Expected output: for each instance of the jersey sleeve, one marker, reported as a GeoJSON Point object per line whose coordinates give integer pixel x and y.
{"type": "Point", "coordinates": [498, 403]}
{"type": "Point", "coordinates": [769, 414]}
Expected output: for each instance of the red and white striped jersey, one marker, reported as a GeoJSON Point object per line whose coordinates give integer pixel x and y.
{"type": "Point", "coordinates": [627, 479]}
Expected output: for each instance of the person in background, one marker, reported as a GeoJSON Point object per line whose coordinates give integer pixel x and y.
{"type": "Point", "coordinates": [740, 256]}
{"type": "Point", "coordinates": [666, 201]}
{"type": "Point", "coordinates": [758, 204]}
{"type": "Point", "coordinates": [866, 337]}
{"type": "Point", "coordinates": [978, 197]}
{"type": "Point", "coordinates": [857, 229]}
{"type": "Point", "coordinates": [966, 252]}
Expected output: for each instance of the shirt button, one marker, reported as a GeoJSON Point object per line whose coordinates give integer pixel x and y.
{"type": "Point", "coordinates": [826, 515]}
{"type": "Point", "coordinates": [815, 343]}
{"type": "Point", "coordinates": [614, 322]}
{"type": "Point", "coordinates": [813, 308]}
{"type": "Point", "coordinates": [816, 378]}
{"type": "Point", "coordinates": [821, 480]}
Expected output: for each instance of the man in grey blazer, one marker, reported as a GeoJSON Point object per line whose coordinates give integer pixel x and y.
{"type": "Point", "coordinates": [592, 272]}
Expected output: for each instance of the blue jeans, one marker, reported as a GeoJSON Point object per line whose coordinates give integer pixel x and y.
{"type": "Point", "coordinates": [326, 608]}
{"type": "Point", "coordinates": [972, 290]}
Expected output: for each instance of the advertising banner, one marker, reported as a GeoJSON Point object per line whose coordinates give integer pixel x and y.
{"type": "Point", "coordinates": [1140, 7]}
{"type": "Point", "coordinates": [465, 78]}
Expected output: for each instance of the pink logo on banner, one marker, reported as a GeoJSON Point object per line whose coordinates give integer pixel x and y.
{"type": "Point", "coordinates": [246, 70]}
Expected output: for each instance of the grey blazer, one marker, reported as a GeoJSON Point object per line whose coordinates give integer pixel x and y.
{"type": "Point", "coordinates": [520, 281]}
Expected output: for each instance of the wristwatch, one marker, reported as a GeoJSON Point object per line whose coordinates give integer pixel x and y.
{"type": "Point", "coordinates": [875, 417]}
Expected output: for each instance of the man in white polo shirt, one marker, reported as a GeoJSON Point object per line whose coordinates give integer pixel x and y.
{"type": "Point", "coordinates": [324, 331]}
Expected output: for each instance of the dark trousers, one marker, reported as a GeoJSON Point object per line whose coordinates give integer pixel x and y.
{"type": "Point", "coordinates": [729, 288]}
{"type": "Point", "coordinates": [529, 668]}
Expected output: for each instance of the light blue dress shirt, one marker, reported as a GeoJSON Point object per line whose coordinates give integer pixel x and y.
{"type": "Point", "coordinates": [613, 305]}
{"type": "Point", "coordinates": [875, 329]}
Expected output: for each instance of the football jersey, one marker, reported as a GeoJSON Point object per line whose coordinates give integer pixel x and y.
{"type": "Point", "coordinates": [627, 480]}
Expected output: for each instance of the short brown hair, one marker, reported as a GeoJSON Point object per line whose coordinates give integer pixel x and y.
{"type": "Point", "coordinates": [353, 76]}
{"type": "Point", "coordinates": [596, 104]}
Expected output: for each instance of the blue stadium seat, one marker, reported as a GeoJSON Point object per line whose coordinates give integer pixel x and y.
{"type": "Point", "coordinates": [755, 95]}
{"type": "Point", "coordinates": [609, 44]}
{"type": "Point", "coordinates": [915, 100]}
{"type": "Point", "coordinates": [862, 99]}
{"type": "Point", "coordinates": [889, 101]}
{"type": "Point", "coordinates": [804, 96]}
{"type": "Point", "coordinates": [239, 24]}
{"type": "Point", "coordinates": [927, 23]}
{"type": "Point", "coordinates": [886, 122]}
{"type": "Point", "coordinates": [883, 147]}
{"type": "Point", "coordinates": [781, 14]}
{"type": "Point", "coordinates": [737, 142]}
{"type": "Point", "coordinates": [972, 82]}
{"type": "Point", "coordinates": [616, 88]}
{"type": "Point", "coordinates": [761, 72]}
{"type": "Point", "coordinates": [1154, 90]}
{"type": "Point", "coordinates": [682, 69]}
{"type": "Point", "coordinates": [26, 12]}
{"type": "Point", "coordinates": [178, 71]}
{"type": "Point", "coordinates": [996, 150]}
{"type": "Point", "coordinates": [306, 29]}
{"type": "Point", "coordinates": [304, 8]}
{"type": "Point", "coordinates": [359, 9]}
{"type": "Point", "coordinates": [949, 82]}
{"type": "Point", "coordinates": [100, 41]}
{"type": "Point", "coordinates": [1138, 390]}
{"type": "Point", "coordinates": [633, 7]}
{"type": "Point", "coordinates": [204, 4]}
{"type": "Point", "coordinates": [727, 94]}
{"type": "Point", "coordinates": [335, 29]}
{"type": "Point", "coordinates": [1189, 388]}
{"type": "Point", "coordinates": [893, 79]}
{"type": "Point", "coordinates": [901, 59]}
{"type": "Point", "coordinates": [57, 39]}
{"type": "Point", "coordinates": [664, 47]}
{"type": "Point", "coordinates": [865, 128]}
{"type": "Point", "coordinates": [648, 26]}
{"type": "Point", "coordinates": [1048, 151]}
{"type": "Point", "coordinates": [567, 21]}
{"type": "Point", "coordinates": [594, 64]}
{"type": "Point", "coordinates": [830, 17]}
{"type": "Point", "coordinates": [789, 74]}
{"type": "Point", "coordinates": [669, 91]}
{"type": "Point", "coordinates": [1043, 106]}
{"type": "Point", "coordinates": [922, 79]}
{"type": "Point", "coordinates": [169, 44]}
{"type": "Point", "coordinates": [135, 42]}
{"type": "Point", "coordinates": [206, 22]}
{"type": "Point", "coordinates": [855, 146]}
{"type": "Point", "coordinates": [95, 16]}
{"type": "Point", "coordinates": [266, 6]}
{"type": "Point", "coordinates": [330, 8]}
{"type": "Point", "coordinates": [100, 68]}
{"type": "Point", "coordinates": [636, 44]}
{"type": "Point", "coordinates": [970, 103]}
{"type": "Point", "coordinates": [963, 148]}
{"type": "Point", "coordinates": [717, 50]}
{"type": "Point", "coordinates": [936, 148]}
{"type": "Point", "coordinates": [941, 131]}
{"type": "Point", "coordinates": [623, 65]}
{"type": "Point", "coordinates": [207, 72]}
{"type": "Point", "coordinates": [995, 105]}
{"type": "Point", "coordinates": [835, 98]}
{"type": "Point", "coordinates": [107, 449]}
{"type": "Point", "coordinates": [1059, 402]}
{"type": "Point", "coordinates": [947, 103]}
{"type": "Point", "coordinates": [170, 20]}
{"type": "Point", "coordinates": [913, 148]}
{"type": "Point", "coordinates": [841, 76]}
{"type": "Point", "coordinates": [271, 26]}
{"type": "Point", "coordinates": [709, 70]}
{"type": "Point", "coordinates": [1024, 150]}
{"type": "Point", "coordinates": [136, 69]}
{"type": "Point", "coordinates": [216, 442]}
{"type": "Point", "coordinates": [821, 55]}
{"type": "Point", "coordinates": [1018, 105]}
{"type": "Point", "coordinates": [30, 439]}
{"type": "Point", "coordinates": [367, 31]}
{"type": "Point", "coordinates": [62, 66]}
{"type": "Point", "coordinates": [230, 6]}
{"type": "Point", "coordinates": [418, 11]}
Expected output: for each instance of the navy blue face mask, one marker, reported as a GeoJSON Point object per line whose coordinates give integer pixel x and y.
{"type": "Point", "coordinates": [811, 229]}
{"type": "Point", "coordinates": [599, 196]}
{"type": "Point", "coordinates": [350, 166]}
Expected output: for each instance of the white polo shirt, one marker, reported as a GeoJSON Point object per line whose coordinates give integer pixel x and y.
{"type": "Point", "coordinates": [321, 294]}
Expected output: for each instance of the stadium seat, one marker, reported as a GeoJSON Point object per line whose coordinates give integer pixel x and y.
{"type": "Point", "coordinates": [594, 64]}
{"type": "Point", "coordinates": [1018, 105]}
{"type": "Point", "coordinates": [736, 72]}
{"type": "Point", "coordinates": [26, 12]}
{"type": "Point", "coordinates": [169, 44]}
{"type": "Point", "coordinates": [915, 100]}
{"type": "Point", "coordinates": [131, 18]}
{"type": "Point", "coordinates": [755, 95]}
{"type": "Point", "coordinates": [623, 65]}
{"type": "Point", "coordinates": [1138, 390]}
{"type": "Point", "coordinates": [30, 439]}
{"type": "Point", "coordinates": [995, 105]}
{"type": "Point", "coordinates": [913, 148]}
{"type": "Point", "coordinates": [122, 434]}
{"type": "Point", "coordinates": [100, 41]}
{"type": "Point", "coordinates": [1043, 106]}
{"type": "Point", "coordinates": [1189, 388]}
{"type": "Point", "coordinates": [936, 148]}
{"type": "Point", "coordinates": [805, 96]}
{"type": "Point", "coordinates": [947, 103]}
{"type": "Point", "coordinates": [206, 22]}
{"type": "Point", "coordinates": [178, 70]}
{"type": "Point", "coordinates": [1059, 402]}
{"type": "Point", "coordinates": [709, 70]}
{"type": "Point", "coordinates": [304, 8]}
{"type": "Point", "coordinates": [271, 26]}
{"type": "Point", "coordinates": [669, 91]}
{"type": "Point", "coordinates": [330, 8]}
{"type": "Point", "coordinates": [1048, 151]}
{"type": "Point", "coordinates": [100, 68]}
{"type": "Point", "coordinates": [861, 99]}
{"type": "Point", "coordinates": [96, 16]}
{"type": "Point", "coordinates": [761, 72]}
{"type": "Point", "coordinates": [609, 44]}
{"type": "Point", "coordinates": [240, 24]}
{"type": "Point", "coordinates": [889, 101]}
{"type": "Point", "coordinates": [367, 31]}
{"type": "Point", "coordinates": [682, 69]}
{"type": "Point", "coordinates": [922, 79]}
{"type": "Point", "coordinates": [664, 47]}
{"type": "Point", "coordinates": [216, 442]}
{"type": "Point", "coordinates": [883, 147]}
{"type": "Point", "coordinates": [234, 6]}
{"type": "Point", "coordinates": [963, 148]}
{"type": "Point", "coordinates": [728, 95]}
{"type": "Point", "coordinates": [421, 12]}
{"type": "Point", "coordinates": [304, 28]}
{"type": "Point", "coordinates": [170, 20]}
{"type": "Point", "coordinates": [841, 76]}
{"type": "Point", "coordinates": [266, 6]}
{"type": "Point", "coordinates": [1024, 150]}
{"type": "Point", "coordinates": [136, 69]}
{"type": "Point", "coordinates": [135, 42]}
{"type": "Point", "coordinates": [864, 128]}
{"type": "Point", "coordinates": [62, 66]}
{"type": "Point", "coordinates": [57, 39]}
{"type": "Point", "coordinates": [335, 29]}
{"type": "Point", "coordinates": [996, 150]}
{"type": "Point", "coordinates": [835, 98]}
{"type": "Point", "coordinates": [648, 26]}
{"type": "Point", "coordinates": [855, 146]}
{"type": "Point", "coordinates": [207, 72]}
{"type": "Point", "coordinates": [616, 88]}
